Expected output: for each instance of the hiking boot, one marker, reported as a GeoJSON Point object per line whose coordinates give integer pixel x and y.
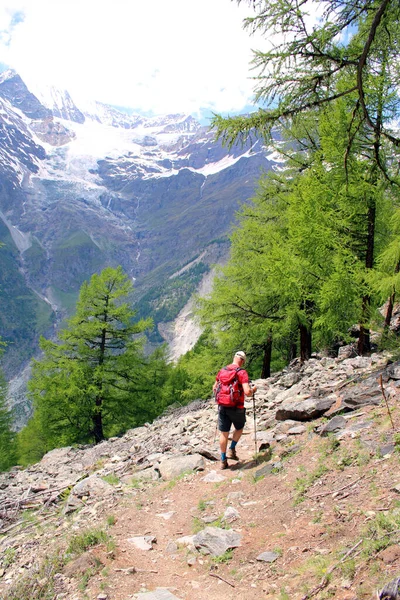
{"type": "Point", "coordinates": [224, 464]}
{"type": "Point", "coordinates": [232, 454]}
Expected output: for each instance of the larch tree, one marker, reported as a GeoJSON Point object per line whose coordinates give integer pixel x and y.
{"type": "Point", "coordinates": [7, 435]}
{"type": "Point", "coordinates": [89, 383]}
{"type": "Point", "coordinates": [346, 55]}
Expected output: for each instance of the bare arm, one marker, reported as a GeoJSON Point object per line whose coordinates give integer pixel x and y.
{"type": "Point", "coordinates": [249, 391]}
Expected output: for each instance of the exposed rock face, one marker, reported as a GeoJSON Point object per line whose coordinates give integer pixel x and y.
{"type": "Point", "coordinates": [13, 89]}
{"type": "Point", "coordinates": [111, 188]}
{"type": "Point", "coordinates": [52, 132]}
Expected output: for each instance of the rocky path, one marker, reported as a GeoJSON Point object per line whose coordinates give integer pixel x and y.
{"type": "Point", "coordinates": [163, 522]}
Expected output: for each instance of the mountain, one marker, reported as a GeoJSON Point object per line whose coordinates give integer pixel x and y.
{"type": "Point", "coordinates": [83, 188]}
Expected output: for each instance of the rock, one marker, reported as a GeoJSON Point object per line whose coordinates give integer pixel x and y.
{"type": "Point", "coordinates": [265, 470]}
{"type": "Point", "coordinates": [187, 541]}
{"type": "Point", "coordinates": [268, 556]}
{"type": "Point", "coordinates": [309, 409]}
{"type": "Point", "coordinates": [235, 496]}
{"type": "Point", "coordinates": [213, 456]}
{"type": "Point", "coordinates": [178, 465]}
{"type": "Point", "coordinates": [231, 514]}
{"type": "Point", "coordinates": [150, 474]}
{"type": "Point", "coordinates": [157, 594]}
{"type": "Point", "coordinates": [171, 547]}
{"type": "Point", "coordinates": [367, 393]}
{"type": "Point", "coordinates": [347, 352]}
{"type": "Point", "coordinates": [209, 519]}
{"type": "Point", "coordinates": [265, 436]}
{"type": "Point", "coordinates": [92, 486]}
{"type": "Point", "coordinates": [289, 380]}
{"type": "Point", "coordinates": [335, 424]}
{"type": "Point", "coordinates": [213, 477]}
{"type": "Point", "coordinates": [297, 430]}
{"type": "Point", "coordinates": [142, 542]}
{"type": "Point", "coordinates": [393, 371]}
{"type": "Point", "coordinates": [390, 555]}
{"type": "Point", "coordinates": [391, 591]}
{"type": "Point", "coordinates": [216, 541]}
{"type": "Point", "coordinates": [292, 449]}
{"type": "Point", "coordinates": [166, 516]}
{"type": "Point", "coordinates": [387, 449]}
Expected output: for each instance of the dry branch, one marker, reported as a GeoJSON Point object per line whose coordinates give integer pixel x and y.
{"type": "Point", "coordinates": [325, 580]}
{"type": "Point", "coordinates": [222, 579]}
{"type": "Point", "coordinates": [386, 401]}
{"type": "Point", "coordinates": [339, 490]}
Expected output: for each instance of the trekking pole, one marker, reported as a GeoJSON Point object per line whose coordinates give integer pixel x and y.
{"type": "Point", "coordinates": [255, 427]}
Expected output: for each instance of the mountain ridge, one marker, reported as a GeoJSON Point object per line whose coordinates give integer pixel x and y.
{"type": "Point", "coordinates": [82, 189]}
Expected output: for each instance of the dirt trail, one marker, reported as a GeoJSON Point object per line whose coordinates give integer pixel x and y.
{"type": "Point", "coordinates": [341, 488]}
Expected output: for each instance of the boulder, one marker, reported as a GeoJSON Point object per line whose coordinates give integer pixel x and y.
{"type": "Point", "coordinates": [157, 594]}
{"type": "Point", "coordinates": [393, 371]}
{"type": "Point", "coordinates": [334, 425]}
{"type": "Point", "coordinates": [367, 393]}
{"type": "Point", "coordinates": [216, 541]}
{"type": "Point", "coordinates": [306, 410]}
{"type": "Point", "coordinates": [92, 486]}
{"type": "Point", "coordinates": [268, 556]}
{"type": "Point", "coordinates": [142, 542]}
{"type": "Point", "coordinates": [178, 465]}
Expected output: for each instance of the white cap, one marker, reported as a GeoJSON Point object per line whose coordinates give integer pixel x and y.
{"type": "Point", "coordinates": [241, 355]}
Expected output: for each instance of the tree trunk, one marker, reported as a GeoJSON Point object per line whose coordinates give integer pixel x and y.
{"type": "Point", "coordinates": [391, 301]}
{"type": "Point", "coordinates": [364, 343]}
{"type": "Point", "coordinates": [266, 366]}
{"type": "Point", "coordinates": [305, 343]}
{"type": "Point", "coordinates": [98, 432]}
{"type": "Point", "coordinates": [292, 351]}
{"type": "Point", "coordinates": [389, 311]}
{"type": "Point", "coordinates": [97, 418]}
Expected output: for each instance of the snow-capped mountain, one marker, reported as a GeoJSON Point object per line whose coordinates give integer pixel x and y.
{"type": "Point", "coordinates": [86, 187]}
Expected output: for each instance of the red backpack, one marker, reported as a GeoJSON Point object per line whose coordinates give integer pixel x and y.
{"type": "Point", "coordinates": [229, 389]}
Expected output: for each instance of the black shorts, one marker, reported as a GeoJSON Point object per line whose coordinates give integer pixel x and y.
{"type": "Point", "coordinates": [228, 416]}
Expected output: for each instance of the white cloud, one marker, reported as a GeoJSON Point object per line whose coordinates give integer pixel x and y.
{"type": "Point", "coordinates": [160, 55]}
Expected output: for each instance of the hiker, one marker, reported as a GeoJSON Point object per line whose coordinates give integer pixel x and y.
{"type": "Point", "coordinates": [230, 387]}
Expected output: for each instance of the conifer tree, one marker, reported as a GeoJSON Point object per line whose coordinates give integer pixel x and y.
{"type": "Point", "coordinates": [7, 435]}
{"type": "Point", "coordinates": [344, 57]}
{"type": "Point", "coordinates": [88, 384]}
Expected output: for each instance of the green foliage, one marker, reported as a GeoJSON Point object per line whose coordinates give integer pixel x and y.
{"type": "Point", "coordinates": [302, 484]}
{"type": "Point", "coordinates": [85, 540]}
{"type": "Point", "coordinates": [380, 531]}
{"type": "Point", "coordinates": [23, 315]}
{"type": "Point", "coordinates": [198, 367]}
{"type": "Point", "coordinates": [28, 587]}
{"type": "Point", "coordinates": [112, 479]}
{"type": "Point", "coordinates": [7, 436]}
{"type": "Point", "coordinates": [346, 52]}
{"type": "Point", "coordinates": [163, 303]}
{"type": "Point", "coordinates": [90, 384]}
{"type": "Point", "coordinates": [223, 558]}
{"type": "Point", "coordinates": [302, 263]}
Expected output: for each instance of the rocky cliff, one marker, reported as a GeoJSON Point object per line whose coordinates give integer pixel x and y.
{"type": "Point", "coordinates": [314, 513]}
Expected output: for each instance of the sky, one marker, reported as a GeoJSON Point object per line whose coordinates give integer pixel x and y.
{"type": "Point", "coordinates": [154, 56]}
